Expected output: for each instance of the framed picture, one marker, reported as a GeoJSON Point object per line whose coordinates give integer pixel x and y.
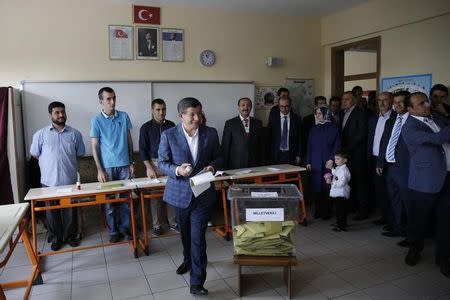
{"type": "Point", "coordinates": [120, 42]}
{"type": "Point", "coordinates": [172, 44]}
{"type": "Point", "coordinates": [410, 83]}
{"type": "Point", "coordinates": [147, 42]}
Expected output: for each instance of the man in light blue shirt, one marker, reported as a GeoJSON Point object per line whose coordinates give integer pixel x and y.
{"type": "Point", "coordinates": [57, 147]}
{"type": "Point", "coordinates": [112, 148]}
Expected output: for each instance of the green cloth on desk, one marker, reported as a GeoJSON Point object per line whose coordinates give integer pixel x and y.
{"type": "Point", "coordinates": [264, 238]}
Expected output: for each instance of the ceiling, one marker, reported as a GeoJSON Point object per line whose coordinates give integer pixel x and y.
{"type": "Point", "coordinates": [316, 8]}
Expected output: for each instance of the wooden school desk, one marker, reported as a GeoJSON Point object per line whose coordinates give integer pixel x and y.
{"type": "Point", "coordinates": [90, 194]}
{"type": "Point", "coordinates": [12, 217]}
{"type": "Point", "coordinates": [260, 175]}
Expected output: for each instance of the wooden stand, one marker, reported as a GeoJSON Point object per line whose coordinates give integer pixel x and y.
{"type": "Point", "coordinates": [275, 261]}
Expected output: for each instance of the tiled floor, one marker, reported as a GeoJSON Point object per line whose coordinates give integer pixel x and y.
{"type": "Point", "coordinates": [358, 264]}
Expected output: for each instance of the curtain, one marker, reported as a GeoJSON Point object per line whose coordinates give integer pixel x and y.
{"type": "Point", "coordinates": [6, 195]}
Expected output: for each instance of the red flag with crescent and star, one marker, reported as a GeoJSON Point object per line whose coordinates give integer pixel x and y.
{"type": "Point", "coordinates": [119, 33]}
{"type": "Point", "coordinates": [146, 14]}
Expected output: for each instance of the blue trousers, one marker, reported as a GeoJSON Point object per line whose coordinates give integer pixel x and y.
{"type": "Point", "coordinates": [192, 223]}
{"type": "Point", "coordinates": [122, 224]}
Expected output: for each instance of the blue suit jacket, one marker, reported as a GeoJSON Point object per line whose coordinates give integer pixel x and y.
{"type": "Point", "coordinates": [428, 167]}
{"type": "Point", "coordinates": [174, 151]}
{"type": "Point", "coordinates": [295, 139]}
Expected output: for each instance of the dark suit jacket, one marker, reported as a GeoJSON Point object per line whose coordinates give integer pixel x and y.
{"type": "Point", "coordinates": [372, 126]}
{"type": "Point", "coordinates": [174, 151]}
{"type": "Point", "coordinates": [401, 151]}
{"type": "Point", "coordinates": [274, 131]}
{"type": "Point", "coordinates": [428, 167]}
{"type": "Point", "coordinates": [239, 150]}
{"type": "Point", "coordinates": [145, 51]}
{"type": "Point", "coordinates": [308, 123]}
{"type": "Point", "coordinates": [354, 137]}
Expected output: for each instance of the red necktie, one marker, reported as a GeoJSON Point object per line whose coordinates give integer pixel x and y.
{"type": "Point", "coordinates": [246, 126]}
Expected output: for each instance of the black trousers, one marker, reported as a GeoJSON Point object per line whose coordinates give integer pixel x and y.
{"type": "Point", "coordinates": [378, 194]}
{"type": "Point", "coordinates": [62, 224]}
{"type": "Point", "coordinates": [398, 194]}
{"type": "Point", "coordinates": [322, 202]}
{"type": "Point", "coordinates": [359, 187]}
{"type": "Point", "coordinates": [341, 205]}
{"type": "Point", "coordinates": [421, 207]}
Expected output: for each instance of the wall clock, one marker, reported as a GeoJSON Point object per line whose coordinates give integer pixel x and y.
{"type": "Point", "coordinates": [208, 58]}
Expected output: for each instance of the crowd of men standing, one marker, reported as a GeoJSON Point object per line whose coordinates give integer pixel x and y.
{"type": "Point", "coordinates": [398, 154]}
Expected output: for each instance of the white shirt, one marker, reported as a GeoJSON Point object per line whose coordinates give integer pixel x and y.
{"type": "Point", "coordinates": [193, 145]}
{"type": "Point", "coordinates": [446, 146]}
{"type": "Point", "coordinates": [247, 129]}
{"type": "Point", "coordinates": [339, 183]}
{"type": "Point", "coordinates": [379, 132]}
{"type": "Point", "coordinates": [346, 115]}
{"type": "Point", "coordinates": [288, 117]}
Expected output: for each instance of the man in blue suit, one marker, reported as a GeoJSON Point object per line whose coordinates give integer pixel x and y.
{"type": "Point", "coordinates": [393, 165]}
{"type": "Point", "coordinates": [184, 151]}
{"type": "Point", "coordinates": [427, 138]}
{"type": "Point", "coordinates": [284, 129]}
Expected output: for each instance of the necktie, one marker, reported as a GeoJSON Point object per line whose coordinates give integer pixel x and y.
{"type": "Point", "coordinates": [247, 131]}
{"type": "Point", "coordinates": [390, 151]}
{"type": "Point", "coordinates": [284, 135]}
{"type": "Point", "coordinates": [432, 124]}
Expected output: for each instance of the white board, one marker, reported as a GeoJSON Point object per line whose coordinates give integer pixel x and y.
{"type": "Point", "coordinates": [219, 100]}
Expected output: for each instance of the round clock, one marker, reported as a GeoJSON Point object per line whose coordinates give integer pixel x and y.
{"type": "Point", "coordinates": [208, 58]}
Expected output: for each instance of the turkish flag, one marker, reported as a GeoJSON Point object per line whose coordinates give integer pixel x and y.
{"type": "Point", "coordinates": [120, 34]}
{"type": "Point", "coordinates": [146, 14]}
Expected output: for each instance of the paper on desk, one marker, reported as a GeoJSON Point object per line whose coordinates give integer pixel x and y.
{"type": "Point", "coordinates": [201, 182]}
{"type": "Point", "coordinates": [246, 171]}
{"type": "Point", "coordinates": [273, 169]}
{"type": "Point", "coordinates": [147, 181]}
{"type": "Point", "coordinates": [64, 190]}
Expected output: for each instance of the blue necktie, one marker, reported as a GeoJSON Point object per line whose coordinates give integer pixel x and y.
{"type": "Point", "coordinates": [390, 151]}
{"type": "Point", "coordinates": [284, 135]}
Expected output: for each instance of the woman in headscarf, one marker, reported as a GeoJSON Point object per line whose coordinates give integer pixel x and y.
{"type": "Point", "coordinates": [323, 142]}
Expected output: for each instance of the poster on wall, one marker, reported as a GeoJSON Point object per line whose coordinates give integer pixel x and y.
{"type": "Point", "coordinates": [410, 83]}
{"type": "Point", "coordinates": [147, 45]}
{"type": "Point", "coordinates": [120, 42]}
{"type": "Point", "coordinates": [302, 95]}
{"type": "Point", "coordinates": [172, 44]}
{"type": "Point", "coordinates": [265, 98]}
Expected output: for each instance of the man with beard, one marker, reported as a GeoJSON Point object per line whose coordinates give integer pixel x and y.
{"type": "Point", "coordinates": [58, 147]}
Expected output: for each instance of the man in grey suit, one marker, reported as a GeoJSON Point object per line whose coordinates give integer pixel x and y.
{"type": "Point", "coordinates": [242, 139]}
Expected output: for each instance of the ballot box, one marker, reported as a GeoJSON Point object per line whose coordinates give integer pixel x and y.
{"type": "Point", "coordinates": [263, 218]}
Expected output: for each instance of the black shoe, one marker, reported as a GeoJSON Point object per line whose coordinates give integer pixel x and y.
{"type": "Point", "coordinates": [403, 243]}
{"type": "Point", "coordinates": [183, 268]}
{"type": "Point", "coordinates": [413, 257]}
{"type": "Point", "coordinates": [387, 227]}
{"type": "Point", "coordinates": [174, 228]}
{"type": "Point", "coordinates": [73, 242]}
{"type": "Point", "coordinates": [333, 225]}
{"type": "Point", "coordinates": [379, 222]}
{"type": "Point", "coordinates": [157, 231]}
{"type": "Point", "coordinates": [114, 238]}
{"type": "Point", "coordinates": [198, 290]}
{"type": "Point", "coordinates": [339, 229]}
{"type": "Point", "coordinates": [391, 234]}
{"type": "Point", "coordinates": [445, 267]}
{"type": "Point", "coordinates": [56, 245]}
{"type": "Point", "coordinates": [359, 218]}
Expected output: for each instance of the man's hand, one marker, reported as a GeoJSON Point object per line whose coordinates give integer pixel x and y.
{"type": "Point", "coordinates": [185, 170]}
{"type": "Point", "coordinates": [151, 173]}
{"type": "Point", "coordinates": [379, 171]}
{"type": "Point", "coordinates": [329, 164]}
{"type": "Point", "coordinates": [440, 108]}
{"type": "Point", "coordinates": [131, 170]}
{"type": "Point", "coordinates": [308, 167]}
{"type": "Point", "coordinates": [102, 176]}
{"type": "Point", "coordinates": [208, 169]}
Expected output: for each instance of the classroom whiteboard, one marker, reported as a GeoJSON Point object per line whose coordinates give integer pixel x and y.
{"type": "Point", "coordinates": [134, 97]}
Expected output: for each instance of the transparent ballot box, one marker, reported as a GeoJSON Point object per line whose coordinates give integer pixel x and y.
{"type": "Point", "coordinates": [263, 217]}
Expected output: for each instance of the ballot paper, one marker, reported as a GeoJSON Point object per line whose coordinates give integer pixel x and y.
{"type": "Point", "coordinates": [201, 182]}
{"type": "Point", "coordinates": [264, 238]}
{"type": "Point", "coordinates": [242, 172]}
{"type": "Point", "coordinates": [273, 169]}
{"type": "Point", "coordinates": [146, 181]}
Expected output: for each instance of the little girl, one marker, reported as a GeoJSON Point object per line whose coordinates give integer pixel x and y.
{"type": "Point", "coordinates": [340, 190]}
